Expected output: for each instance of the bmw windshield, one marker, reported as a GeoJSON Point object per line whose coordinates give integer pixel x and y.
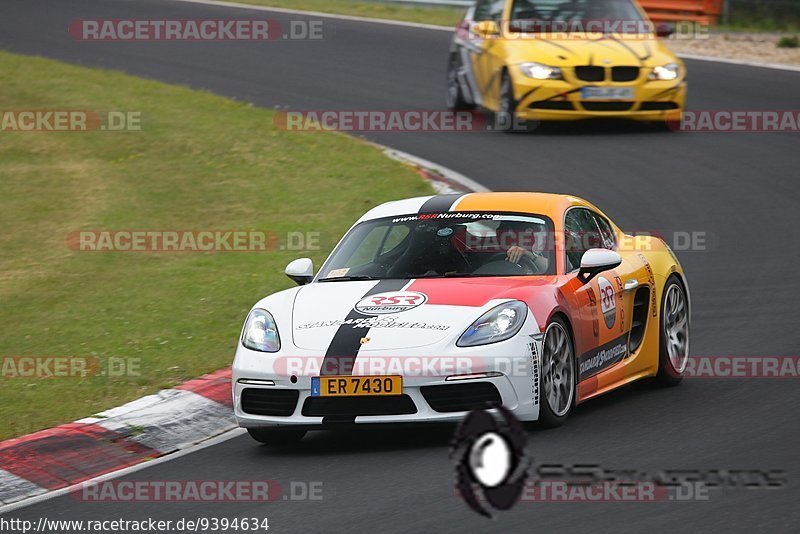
{"type": "Point", "coordinates": [444, 245]}
{"type": "Point", "coordinates": [531, 16]}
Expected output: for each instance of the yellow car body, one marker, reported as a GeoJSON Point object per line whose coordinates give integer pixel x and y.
{"type": "Point", "coordinates": [592, 65]}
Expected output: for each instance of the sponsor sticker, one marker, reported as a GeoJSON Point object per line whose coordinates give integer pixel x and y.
{"type": "Point", "coordinates": [338, 273]}
{"type": "Point", "coordinates": [390, 302]}
{"type": "Point", "coordinates": [603, 357]}
{"type": "Point", "coordinates": [607, 303]}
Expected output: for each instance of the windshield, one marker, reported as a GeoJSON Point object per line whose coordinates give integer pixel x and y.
{"type": "Point", "coordinates": [444, 244]}
{"type": "Point", "coordinates": [576, 16]}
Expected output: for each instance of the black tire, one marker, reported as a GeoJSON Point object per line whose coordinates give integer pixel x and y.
{"type": "Point", "coordinates": [277, 437]}
{"type": "Point", "coordinates": [455, 97]}
{"type": "Point", "coordinates": [549, 418]}
{"type": "Point", "coordinates": [508, 109]}
{"type": "Point", "coordinates": [668, 375]}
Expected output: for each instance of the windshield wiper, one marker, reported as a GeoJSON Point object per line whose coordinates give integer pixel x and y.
{"type": "Point", "coordinates": [346, 278]}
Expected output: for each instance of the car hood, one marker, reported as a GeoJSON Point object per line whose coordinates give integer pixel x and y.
{"type": "Point", "coordinates": [392, 316]}
{"type": "Point", "coordinates": [588, 49]}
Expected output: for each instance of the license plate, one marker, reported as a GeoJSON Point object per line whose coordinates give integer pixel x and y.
{"type": "Point", "coordinates": [353, 386]}
{"type": "Point", "coordinates": [607, 93]}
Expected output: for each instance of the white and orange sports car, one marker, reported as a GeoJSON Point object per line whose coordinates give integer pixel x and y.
{"type": "Point", "coordinates": [430, 307]}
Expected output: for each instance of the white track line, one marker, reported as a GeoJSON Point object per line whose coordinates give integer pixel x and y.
{"type": "Point", "coordinates": [742, 62]}
{"type": "Point", "coordinates": [354, 18]}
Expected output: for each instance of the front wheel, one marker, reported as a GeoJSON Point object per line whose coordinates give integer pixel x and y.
{"type": "Point", "coordinates": [557, 378]}
{"type": "Point", "coordinates": [277, 437]}
{"type": "Point", "coordinates": [674, 334]}
{"type": "Point", "coordinates": [508, 120]}
{"type": "Point", "coordinates": [455, 97]}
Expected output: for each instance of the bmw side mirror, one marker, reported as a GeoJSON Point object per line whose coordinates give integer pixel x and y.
{"type": "Point", "coordinates": [485, 29]}
{"type": "Point", "coordinates": [664, 29]}
{"type": "Point", "coordinates": [595, 261]}
{"type": "Point", "coordinates": [300, 270]}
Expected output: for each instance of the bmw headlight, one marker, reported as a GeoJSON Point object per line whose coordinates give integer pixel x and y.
{"type": "Point", "coordinates": [260, 332]}
{"type": "Point", "coordinates": [540, 72]}
{"type": "Point", "coordinates": [498, 324]}
{"type": "Point", "coordinates": [666, 72]}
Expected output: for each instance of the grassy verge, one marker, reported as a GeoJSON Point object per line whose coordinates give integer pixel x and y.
{"type": "Point", "coordinates": [438, 15]}
{"type": "Point", "coordinates": [201, 162]}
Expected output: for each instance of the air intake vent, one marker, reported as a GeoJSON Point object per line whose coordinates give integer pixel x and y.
{"type": "Point", "coordinates": [641, 303]}
{"type": "Point", "coordinates": [351, 406]}
{"type": "Point", "coordinates": [606, 106]}
{"type": "Point", "coordinates": [262, 401]}
{"type": "Point", "coordinates": [590, 73]}
{"type": "Point", "coordinates": [624, 74]}
{"type": "Point", "coordinates": [461, 397]}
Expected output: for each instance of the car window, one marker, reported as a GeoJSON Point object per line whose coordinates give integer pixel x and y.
{"type": "Point", "coordinates": [394, 238]}
{"type": "Point", "coordinates": [489, 10]}
{"type": "Point", "coordinates": [606, 233]}
{"type": "Point", "coordinates": [560, 10]}
{"type": "Point", "coordinates": [581, 234]}
{"type": "Point", "coordinates": [446, 244]}
{"type": "Point", "coordinates": [367, 248]}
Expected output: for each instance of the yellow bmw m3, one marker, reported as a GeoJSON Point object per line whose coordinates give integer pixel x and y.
{"type": "Point", "coordinates": [564, 60]}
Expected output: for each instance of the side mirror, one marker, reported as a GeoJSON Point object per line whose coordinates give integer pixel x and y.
{"type": "Point", "coordinates": [595, 261]}
{"type": "Point", "coordinates": [485, 28]}
{"type": "Point", "coordinates": [300, 270]}
{"type": "Point", "coordinates": [664, 29]}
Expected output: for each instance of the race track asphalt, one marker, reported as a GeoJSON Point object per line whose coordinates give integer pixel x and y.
{"type": "Point", "coordinates": [741, 189]}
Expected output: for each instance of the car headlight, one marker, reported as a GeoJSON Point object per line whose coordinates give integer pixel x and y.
{"type": "Point", "coordinates": [666, 72]}
{"type": "Point", "coordinates": [260, 332]}
{"type": "Point", "coordinates": [498, 324]}
{"type": "Point", "coordinates": [540, 72]}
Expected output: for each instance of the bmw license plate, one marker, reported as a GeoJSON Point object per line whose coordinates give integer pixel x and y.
{"type": "Point", "coordinates": [353, 386]}
{"type": "Point", "coordinates": [607, 93]}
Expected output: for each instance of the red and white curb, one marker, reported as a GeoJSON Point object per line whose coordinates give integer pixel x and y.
{"type": "Point", "coordinates": [144, 429]}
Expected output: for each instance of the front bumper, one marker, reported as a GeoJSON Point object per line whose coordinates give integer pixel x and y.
{"type": "Point", "coordinates": [552, 100]}
{"type": "Point", "coordinates": [517, 360]}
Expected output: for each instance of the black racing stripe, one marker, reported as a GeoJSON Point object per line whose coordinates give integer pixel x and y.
{"type": "Point", "coordinates": [341, 354]}
{"type": "Point", "coordinates": [439, 203]}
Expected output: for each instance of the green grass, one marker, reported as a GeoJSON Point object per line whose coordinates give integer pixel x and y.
{"type": "Point", "coordinates": [437, 15]}
{"type": "Point", "coordinates": [201, 162]}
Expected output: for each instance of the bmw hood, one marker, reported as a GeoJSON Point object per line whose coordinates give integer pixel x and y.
{"type": "Point", "coordinates": [583, 50]}
{"type": "Point", "coordinates": [389, 314]}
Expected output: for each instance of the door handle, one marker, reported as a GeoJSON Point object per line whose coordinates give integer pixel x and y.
{"type": "Point", "coordinates": [631, 284]}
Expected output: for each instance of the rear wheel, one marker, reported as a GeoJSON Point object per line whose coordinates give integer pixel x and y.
{"type": "Point", "coordinates": [277, 437]}
{"type": "Point", "coordinates": [674, 334]}
{"type": "Point", "coordinates": [558, 377]}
